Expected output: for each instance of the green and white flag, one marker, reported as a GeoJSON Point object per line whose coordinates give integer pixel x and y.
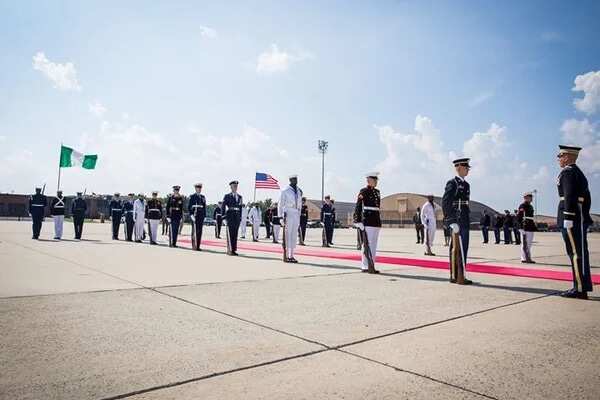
{"type": "Point", "coordinates": [72, 158]}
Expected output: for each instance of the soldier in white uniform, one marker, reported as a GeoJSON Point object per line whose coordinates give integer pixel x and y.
{"type": "Point", "coordinates": [254, 218]}
{"type": "Point", "coordinates": [290, 204]}
{"type": "Point", "coordinates": [429, 222]}
{"type": "Point", "coordinates": [139, 211]}
{"type": "Point", "coordinates": [57, 209]}
{"type": "Point", "coordinates": [244, 221]}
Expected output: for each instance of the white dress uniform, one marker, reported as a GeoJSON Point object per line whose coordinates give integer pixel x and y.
{"type": "Point", "coordinates": [428, 220]}
{"type": "Point", "coordinates": [290, 204]}
{"type": "Point", "coordinates": [57, 209]}
{"type": "Point", "coordinates": [243, 222]}
{"type": "Point", "coordinates": [254, 218]}
{"type": "Point", "coordinates": [139, 210]}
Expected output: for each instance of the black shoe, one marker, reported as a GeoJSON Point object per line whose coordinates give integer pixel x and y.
{"type": "Point", "coordinates": [293, 260]}
{"type": "Point", "coordinates": [467, 282]}
{"type": "Point", "coordinates": [153, 243]}
{"type": "Point", "coordinates": [571, 294]}
{"type": "Point", "coordinates": [286, 260]}
{"type": "Point", "coordinates": [364, 270]}
{"type": "Point", "coordinates": [582, 295]}
{"type": "Point", "coordinates": [452, 280]}
{"type": "Point", "coordinates": [373, 271]}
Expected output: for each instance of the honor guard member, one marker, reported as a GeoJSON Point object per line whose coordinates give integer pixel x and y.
{"type": "Point", "coordinates": [290, 204]}
{"type": "Point", "coordinates": [267, 217]}
{"type": "Point", "coordinates": [78, 210]}
{"type": "Point", "coordinates": [485, 223]}
{"type": "Point", "coordinates": [232, 210]}
{"type": "Point", "coordinates": [275, 222]}
{"type": "Point", "coordinates": [508, 225]}
{"type": "Point", "coordinates": [174, 214]}
{"type": "Point", "coordinates": [303, 221]}
{"type": "Point", "coordinates": [368, 220]}
{"type": "Point", "coordinates": [37, 209]}
{"type": "Point", "coordinates": [527, 225]}
{"type": "Point", "coordinates": [455, 204]}
{"type": "Point", "coordinates": [154, 213]}
{"type": "Point", "coordinates": [218, 217]}
{"type": "Point", "coordinates": [197, 211]}
{"type": "Point", "coordinates": [497, 226]}
{"type": "Point", "coordinates": [57, 210]}
{"type": "Point", "coordinates": [429, 222]}
{"type": "Point", "coordinates": [574, 219]}
{"type": "Point", "coordinates": [128, 214]}
{"type": "Point", "coordinates": [516, 228]}
{"type": "Point", "coordinates": [327, 219]}
{"type": "Point", "coordinates": [115, 208]}
{"type": "Point", "coordinates": [254, 218]}
{"type": "Point", "coordinates": [139, 214]}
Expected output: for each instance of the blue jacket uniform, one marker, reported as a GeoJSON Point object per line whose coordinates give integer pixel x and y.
{"type": "Point", "coordinates": [37, 209]}
{"type": "Point", "coordinates": [78, 209]}
{"type": "Point", "coordinates": [232, 211]}
{"type": "Point", "coordinates": [455, 204]}
{"type": "Point", "coordinates": [197, 206]}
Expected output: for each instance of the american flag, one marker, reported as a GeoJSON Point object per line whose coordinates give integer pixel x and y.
{"type": "Point", "coordinates": [265, 181]}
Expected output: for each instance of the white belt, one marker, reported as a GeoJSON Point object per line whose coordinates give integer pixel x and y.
{"type": "Point", "coordinates": [117, 209]}
{"type": "Point", "coordinates": [327, 213]}
{"type": "Point", "coordinates": [234, 208]}
{"type": "Point", "coordinates": [370, 208]}
{"type": "Point", "coordinates": [59, 206]}
{"type": "Point", "coordinates": [154, 209]}
{"type": "Point", "coordinates": [218, 215]}
{"type": "Point", "coordinates": [39, 205]}
{"type": "Point", "coordinates": [529, 218]}
{"type": "Point", "coordinates": [197, 205]}
{"type": "Point", "coordinates": [579, 199]}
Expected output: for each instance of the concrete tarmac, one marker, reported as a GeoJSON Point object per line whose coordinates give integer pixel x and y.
{"type": "Point", "coordinates": [104, 319]}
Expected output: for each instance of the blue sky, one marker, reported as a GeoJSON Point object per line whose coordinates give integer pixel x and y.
{"type": "Point", "coordinates": [179, 92]}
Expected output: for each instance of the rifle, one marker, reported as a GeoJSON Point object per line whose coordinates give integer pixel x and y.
{"type": "Point", "coordinates": [283, 244]}
{"type": "Point", "coordinates": [367, 249]}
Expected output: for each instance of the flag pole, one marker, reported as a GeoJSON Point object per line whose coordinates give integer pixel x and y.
{"type": "Point", "coordinates": [59, 169]}
{"type": "Point", "coordinates": [254, 201]}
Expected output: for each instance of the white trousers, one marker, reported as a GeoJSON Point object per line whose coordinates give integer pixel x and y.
{"type": "Point", "coordinates": [373, 236]}
{"type": "Point", "coordinates": [153, 229]}
{"type": "Point", "coordinates": [526, 242]}
{"type": "Point", "coordinates": [276, 229]}
{"type": "Point", "coordinates": [255, 229]}
{"type": "Point", "coordinates": [292, 222]}
{"type": "Point", "coordinates": [430, 233]}
{"type": "Point", "coordinates": [138, 227]}
{"type": "Point", "coordinates": [58, 225]}
{"type": "Point", "coordinates": [243, 230]}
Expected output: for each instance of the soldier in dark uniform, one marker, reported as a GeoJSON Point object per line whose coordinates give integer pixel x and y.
{"type": "Point", "coordinates": [497, 226]}
{"type": "Point", "coordinates": [527, 224]}
{"type": "Point", "coordinates": [327, 219]}
{"type": "Point", "coordinates": [232, 210]}
{"type": "Point", "coordinates": [303, 221]}
{"type": "Point", "coordinates": [37, 209]}
{"type": "Point", "coordinates": [78, 209]}
{"type": "Point", "coordinates": [115, 210]}
{"type": "Point", "coordinates": [419, 227]}
{"type": "Point", "coordinates": [128, 212]}
{"type": "Point", "coordinates": [485, 226]}
{"type": "Point", "coordinates": [367, 220]}
{"type": "Point", "coordinates": [267, 218]}
{"type": "Point", "coordinates": [455, 204]}
{"type": "Point", "coordinates": [57, 210]}
{"type": "Point", "coordinates": [333, 218]}
{"type": "Point", "coordinates": [154, 213]}
{"type": "Point", "coordinates": [516, 227]}
{"type": "Point", "coordinates": [574, 219]}
{"type": "Point", "coordinates": [218, 217]}
{"type": "Point", "coordinates": [197, 211]}
{"type": "Point", "coordinates": [174, 215]}
{"type": "Point", "coordinates": [275, 225]}
{"type": "Point", "coordinates": [508, 225]}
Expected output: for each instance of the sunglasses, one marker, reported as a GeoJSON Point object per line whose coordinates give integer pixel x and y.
{"type": "Point", "coordinates": [561, 155]}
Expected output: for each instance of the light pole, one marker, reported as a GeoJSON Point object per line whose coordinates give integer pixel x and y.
{"type": "Point", "coordinates": [323, 149]}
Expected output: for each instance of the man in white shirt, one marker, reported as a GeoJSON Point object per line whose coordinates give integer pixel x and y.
{"type": "Point", "coordinates": [254, 218]}
{"type": "Point", "coordinates": [429, 222]}
{"type": "Point", "coordinates": [290, 204]}
{"type": "Point", "coordinates": [139, 214]}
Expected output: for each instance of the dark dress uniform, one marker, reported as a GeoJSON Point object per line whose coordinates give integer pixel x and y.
{"type": "Point", "coordinates": [508, 225]}
{"type": "Point", "coordinates": [455, 204]}
{"type": "Point", "coordinates": [575, 203]}
{"type": "Point", "coordinates": [327, 219]}
{"type": "Point", "coordinates": [366, 211]}
{"type": "Point", "coordinates": [175, 213]}
{"type": "Point", "coordinates": [37, 209]}
{"type": "Point", "coordinates": [218, 217]}
{"type": "Point", "coordinates": [232, 210]}
{"type": "Point", "coordinates": [128, 211]}
{"type": "Point", "coordinates": [115, 210]}
{"type": "Point", "coordinates": [197, 208]}
{"type": "Point", "coordinates": [268, 216]}
{"type": "Point", "coordinates": [485, 227]}
{"type": "Point", "coordinates": [303, 223]}
{"type": "Point", "coordinates": [526, 221]}
{"type": "Point", "coordinates": [497, 226]}
{"type": "Point", "coordinates": [516, 228]}
{"type": "Point", "coordinates": [78, 210]}
{"type": "Point", "coordinates": [153, 214]}
{"type": "Point", "coordinates": [419, 227]}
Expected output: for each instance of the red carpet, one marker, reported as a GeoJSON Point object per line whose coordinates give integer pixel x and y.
{"type": "Point", "coordinates": [413, 262]}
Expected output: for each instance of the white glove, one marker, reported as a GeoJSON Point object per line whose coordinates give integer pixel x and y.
{"type": "Point", "coordinates": [193, 218]}
{"type": "Point", "coordinates": [359, 225]}
{"type": "Point", "coordinates": [522, 231]}
{"type": "Point", "coordinates": [455, 228]}
{"type": "Point", "coordinates": [568, 224]}
{"type": "Point", "coordinates": [168, 220]}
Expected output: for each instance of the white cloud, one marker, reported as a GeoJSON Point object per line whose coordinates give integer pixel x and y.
{"type": "Point", "coordinates": [481, 98]}
{"type": "Point", "coordinates": [97, 109]}
{"type": "Point", "coordinates": [2, 138]}
{"type": "Point", "coordinates": [275, 60]}
{"type": "Point", "coordinates": [578, 132]}
{"type": "Point", "coordinates": [208, 33]}
{"type": "Point", "coordinates": [485, 148]}
{"type": "Point", "coordinates": [589, 84]}
{"type": "Point", "coordinates": [64, 76]}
